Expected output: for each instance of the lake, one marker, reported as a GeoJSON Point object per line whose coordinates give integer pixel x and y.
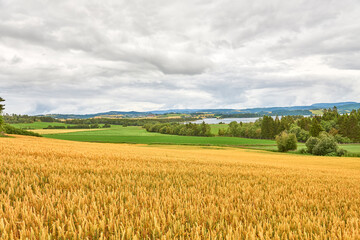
{"type": "Point", "coordinates": [225, 120]}
{"type": "Point", "coordinates": [229, 120]}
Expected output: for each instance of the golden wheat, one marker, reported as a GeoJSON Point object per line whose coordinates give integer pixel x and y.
{"type": "Point", "coordinates": [52, 189]}
{"type": "Point", "coordinates": [56, 131]}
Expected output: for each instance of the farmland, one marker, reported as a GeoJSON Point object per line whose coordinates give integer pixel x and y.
{"type": "Point", "coordinates": [38, 125]}
{"type": "Point", "coordinates": [119, 134]}
{"type": "Point", "coordinates": [135, 134]}
{"type": "Point", "coordinates": [60, 189]}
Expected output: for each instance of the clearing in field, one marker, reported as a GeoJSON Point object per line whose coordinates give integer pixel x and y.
{"type": "Point", "coordinates": [61, 189]}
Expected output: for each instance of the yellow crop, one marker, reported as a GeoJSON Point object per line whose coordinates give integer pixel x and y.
{"type": "Point", "coordinates": [56, 131]}
{"type": "Point", "coordinates": [53, 189]}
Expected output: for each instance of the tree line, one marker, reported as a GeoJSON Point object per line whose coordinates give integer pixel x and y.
{"type": "Point", "coordinates": [187, 129]}
{"type": "Point", "coordinates": [6, 128]}
{"type": "Point", "coordinates": [126, 121]}
{"type": "Point", "coordinates": [79, 126]}
{"type": "Point", "coordinates": [345, 128]}
{"type": "Point", "coordinates": [18, 118]}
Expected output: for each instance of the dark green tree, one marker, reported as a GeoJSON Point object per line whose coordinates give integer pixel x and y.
{"type": "Point", "coordinates": [315, 128]}
{"type": "Point", "coordinates": [277, 125]}
{"type": "Point", "coordinates": [353, 125]}
{"type": "Point", "coordinates": [2, 107]}
{"type": "Point", "coordinates": [267, 127]}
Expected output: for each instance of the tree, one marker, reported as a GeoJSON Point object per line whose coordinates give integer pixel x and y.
{"type": "Point", "coordinates": [353, 124]}
{"type": "Point", "coordinates": [1, 118]}
{"type": "Point", "coordinates": [277, 126]}
{"type": "Point", "coordinates": [267, 127]}
{"type": "Point", "coordinates": [1, 105]}
{"type": "Point", "coordinates": [300, 134]}
{"type": "Point", "coordinates": [286, 142]}
{"type": "Point", "coordinates": [315, 128]}
{"type": "Point", "coordinates": [285, 123]}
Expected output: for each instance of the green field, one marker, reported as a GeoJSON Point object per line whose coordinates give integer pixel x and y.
{"type": "Point", "coordinates": [133, 134]}
{"type": "Point", "coordinates": [215, 128]}
{"type": "Point", "coordinates": [119, 134]}
{"type": "Point", "coordinates": [38, 125]}
{"type": "Point", "coordinates": [353, 148]}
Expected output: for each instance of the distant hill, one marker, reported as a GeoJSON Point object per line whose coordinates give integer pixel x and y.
{"type": "Point", "coordinates": [343, 107]}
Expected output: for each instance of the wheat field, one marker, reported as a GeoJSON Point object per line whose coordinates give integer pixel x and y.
{"type": "Point", "coordinates": [53, 189]}
{"type": "Point", "coordinates": [56, 131]}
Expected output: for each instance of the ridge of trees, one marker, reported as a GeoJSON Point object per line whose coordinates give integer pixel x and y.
{"type": "Point", "coordinates": [345, 128]}
{"type": "Point", "coordinates": [188, 129]}
{"type": "Point", "coordinates": [79, 126]}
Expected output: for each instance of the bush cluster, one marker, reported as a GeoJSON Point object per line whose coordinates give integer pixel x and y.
{"type": "Point", "coordinates": [13, 130]}
{"type": "Point", "coordinates": [286, 141]}
{"type": "Point", "coordinates": [324, 145]}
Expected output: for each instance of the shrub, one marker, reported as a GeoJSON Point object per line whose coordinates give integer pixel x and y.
{"type": "Point", "coordinates": [286, 142]}
{"type": "Point", "coordinates": [341, 139]}
{"type": "Point", "coordinates": [341, 152]}
{"type": "Point", "coordinates": [303, 151]}
{"type": "Point", "coordinates": [326, 145]}
{"type": "Point", "coordinates": [311, 143]}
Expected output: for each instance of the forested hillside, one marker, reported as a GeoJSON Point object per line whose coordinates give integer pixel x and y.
{"type": "Point", "coordinates": [345, 127]}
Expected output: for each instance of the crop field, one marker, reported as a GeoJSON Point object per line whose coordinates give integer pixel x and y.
{"type": "Point", "coordinates": [53, 189]}
{"type": "Point", "coordinates": [61, 131]}
{"type": "Point", "coordinates": [133, 134]}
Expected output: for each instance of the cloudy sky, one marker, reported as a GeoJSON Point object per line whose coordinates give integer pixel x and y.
{"type": "Point", "coordinates": [89, 56]}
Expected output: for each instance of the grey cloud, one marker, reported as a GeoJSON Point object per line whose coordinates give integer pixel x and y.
{"type": "Point", "coordinates": [89, 55]}
{"type": "Point", "coordinates": [348, 61]}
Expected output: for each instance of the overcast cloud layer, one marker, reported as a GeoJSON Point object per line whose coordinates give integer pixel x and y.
{"type": "Point", "coordinates": [90, 56]}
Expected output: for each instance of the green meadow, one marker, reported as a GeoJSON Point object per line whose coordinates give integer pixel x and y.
{"type": "Point", "coordinates": [38, 125]}
{"type": "Point", "coordinates": [216, 127]}
{"type": "Point", "coordinates": [131, 134]}
{"type": "Point", "coordinates": [134, 134]}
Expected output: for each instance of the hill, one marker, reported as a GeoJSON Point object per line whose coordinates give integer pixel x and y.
{"type": "Point", "coordinates": [343, 107]}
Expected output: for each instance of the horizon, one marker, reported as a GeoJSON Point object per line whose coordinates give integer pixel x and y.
{"type": "Point", "coordinates": [90, 56]}
{"type": "Point", "coordinates": [185, 109]}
